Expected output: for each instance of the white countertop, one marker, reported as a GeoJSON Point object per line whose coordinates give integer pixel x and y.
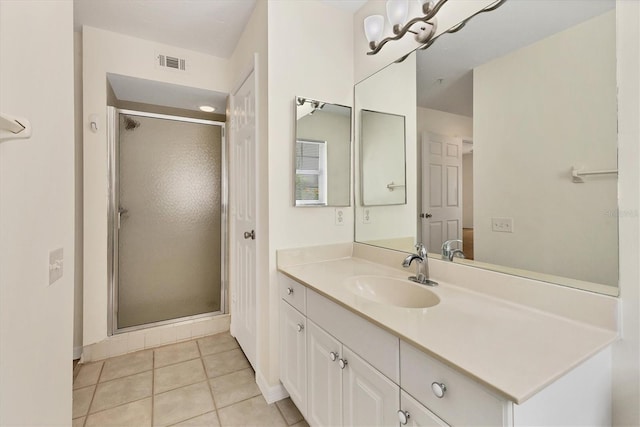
{"type": "Point", "coordinates": [513, 349]}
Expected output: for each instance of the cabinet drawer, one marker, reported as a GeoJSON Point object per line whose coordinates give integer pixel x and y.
{"type": "Point", "coordinates": [375, 345]}
{"type": "Point", "coordinates": [464, 403]}
{"type": "Point", "coordinates": [416, 414]}
{"type": "Point", "coordinates": [293, 292]}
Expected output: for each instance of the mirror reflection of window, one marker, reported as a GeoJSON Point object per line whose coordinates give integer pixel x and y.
{"type": "Point", "coordinates": [311, 178]}
{"type": "Point", "coordinates": [322, 154]}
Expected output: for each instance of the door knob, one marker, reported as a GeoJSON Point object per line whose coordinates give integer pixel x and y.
{"type": "Point", "coordinates": [425, 215]}
{"type": "Point", "coordinates": [250, 235]}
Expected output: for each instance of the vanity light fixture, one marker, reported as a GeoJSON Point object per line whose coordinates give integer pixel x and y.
{"type": "Point", "coordinates": [207, 108]}
{"type": "Point", "coordinates": [423, 27]}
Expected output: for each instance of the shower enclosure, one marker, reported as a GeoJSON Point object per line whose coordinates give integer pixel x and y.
{"type": "Point", "coordinates": [167, 216]}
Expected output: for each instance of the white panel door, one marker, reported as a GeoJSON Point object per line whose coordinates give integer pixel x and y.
{"type": "Point", "coordinates": [441, 214]}
{"type": "Point", "coordinates": [293, 354]}
{"type": "Point", "coordinates": [324, 381]}
{"type": "Point", "coordinates": [369, 398]}
{"type": "Point", "coordinates": [242, 202]}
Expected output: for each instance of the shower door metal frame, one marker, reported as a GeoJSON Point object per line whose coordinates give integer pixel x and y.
{"type": "Point", "coordinates": [113, 148]}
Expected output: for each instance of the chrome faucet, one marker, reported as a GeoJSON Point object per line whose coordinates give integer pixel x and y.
{"type": "Point", "coordinates": [448, 253]}
{"type": "Point", "coordinates": [422, 273]}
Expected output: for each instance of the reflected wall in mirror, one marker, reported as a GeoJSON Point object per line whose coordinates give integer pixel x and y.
{"type": "Point", "coordinates": [322, 164]}
{"type": "Point", "coordinates": [392, 90]}
{"type": "Point", "coordinates": [382, 168]}
{"type": "Point", "coordinates": [505, 109]}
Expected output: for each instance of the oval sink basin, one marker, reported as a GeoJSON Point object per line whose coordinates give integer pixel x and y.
{"type": "Point", "coordinates": [392, 291]}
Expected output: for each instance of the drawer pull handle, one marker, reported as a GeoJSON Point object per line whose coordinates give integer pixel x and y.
{"type": "Point", "coordinates": [403, 417]}
{"type": "Point", "coordinates": [300, 327]}
{"type": "Point", "coordinates": [438, 389]}
{"type": "Point", "coordinates": [333, 356]}
{"type": "Point", "coordinates": [289, 291]}
{"type": "Point", "coordinates": [343, 363]}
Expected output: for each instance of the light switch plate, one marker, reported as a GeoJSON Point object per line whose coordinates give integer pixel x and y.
{"type": "Point", "coordinates": [502, 225]}
{"type": "Point", "coordinates": [366, 216]}
{"type": "Point", "coordinates": [56, 265]}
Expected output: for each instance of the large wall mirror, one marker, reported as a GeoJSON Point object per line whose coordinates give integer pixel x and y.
{"type": "Point", "coordinates": [322, 163]}
{"type": "Point", "coordinates": [512, 115]}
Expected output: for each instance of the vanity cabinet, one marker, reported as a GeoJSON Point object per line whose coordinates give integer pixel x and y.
{"type": "Point", "coordinates": [293, 353]}
{"type": "Point", "coordinates": [342, 370]}
{"type": "Point", "coordinates": [343, 389]}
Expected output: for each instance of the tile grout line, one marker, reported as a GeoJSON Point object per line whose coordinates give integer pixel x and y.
{"type": "Point", "coordinates": [153, 384]}
{"type": "Point", "coordinates": [86, 417]}
{"type": "Point", "coordinates": [215, 405]}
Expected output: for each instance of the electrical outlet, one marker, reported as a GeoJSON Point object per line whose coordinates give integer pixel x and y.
{"type": "Point", "coordinates": [366, 216]}
{"type": "Point", "coordinates": [339, 216]}
{"type": "Point", "coordinates": [502, 225]}
{"type": "Point", "coordinates": [56, 264]}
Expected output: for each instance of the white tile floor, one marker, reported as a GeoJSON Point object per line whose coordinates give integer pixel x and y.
{"type": "Point", "coordinates": [204, 382]}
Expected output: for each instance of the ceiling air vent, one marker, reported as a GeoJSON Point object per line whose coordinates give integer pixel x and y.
{"type": "Point", "coordinates": [172, 62]}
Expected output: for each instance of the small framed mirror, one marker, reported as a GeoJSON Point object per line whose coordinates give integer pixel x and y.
{"type": "Point", "coordinates": [382, 158]}
{"type": "Point", "coordinates": [322, 163]}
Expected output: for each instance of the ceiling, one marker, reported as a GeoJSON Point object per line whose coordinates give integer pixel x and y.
{"type": "Point", "coordinates": [208, 26]}
{"type": "Point", "coordinates": [212, 27]}
{"type": "Point", "coordinates": [445, 76]}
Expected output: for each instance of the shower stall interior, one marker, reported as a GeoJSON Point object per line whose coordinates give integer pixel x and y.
{"type": "Point", "coordinates": [167, 207]}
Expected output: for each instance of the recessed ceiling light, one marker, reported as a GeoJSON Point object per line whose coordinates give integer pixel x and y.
{"type": "Point", "coordinates": [207, 108]}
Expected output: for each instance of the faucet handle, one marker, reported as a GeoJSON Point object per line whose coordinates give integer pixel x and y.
{"type": "Point", "coordinates": [421, 250]}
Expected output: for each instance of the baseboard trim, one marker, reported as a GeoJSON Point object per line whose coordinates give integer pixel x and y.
{"type": "Point", "coordinates": [77, 352]}
{"type": "Point", "coordinates": [271, 393]}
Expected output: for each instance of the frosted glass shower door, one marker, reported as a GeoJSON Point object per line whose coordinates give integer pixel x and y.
{"type": "Point", "coordinates": [169, 238]}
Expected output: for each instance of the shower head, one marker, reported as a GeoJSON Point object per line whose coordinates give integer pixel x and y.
{"type": "Point", "coordinates": [130, 124]}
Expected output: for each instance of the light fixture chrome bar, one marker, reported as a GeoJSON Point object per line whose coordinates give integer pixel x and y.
{"type": "Point", "coordinates": [462, 24]}
{"type": "Point", "coordinates": [400, 32]}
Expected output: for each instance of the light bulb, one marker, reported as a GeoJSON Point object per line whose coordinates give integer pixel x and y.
{"type": "Point", "coordinates": [373, 27]}
{"type": "Point", "coordinates": [207, 108]}
{"type": "Point", "coordinates": [397, 12]}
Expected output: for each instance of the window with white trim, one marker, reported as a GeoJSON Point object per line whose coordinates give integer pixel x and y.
{"type": "Point", "coordinates": [311, 172]}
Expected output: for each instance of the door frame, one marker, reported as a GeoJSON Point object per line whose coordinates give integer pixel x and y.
{"type": "Point", "coordinates": [113, 171]}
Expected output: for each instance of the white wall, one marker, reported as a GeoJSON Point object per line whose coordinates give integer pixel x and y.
{"type": "Point", "coordinates": [443, 123]}
{"type": "Point", "coordinates": [382, 92]}
{"type": "Point", "coordinates": [522, 168]}
{"type": "Point", "coordinates": [106, 52]}
{"type": "Point", "coordinates": [310, 54]}
{"type": "Point", "coordinates": [36, 213]}
{"type": "Point", "coordinates": [626, 352]}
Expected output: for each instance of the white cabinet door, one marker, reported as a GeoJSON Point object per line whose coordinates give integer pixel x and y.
{"type": "Point", "coordinates": [293, 357]}
{"type": "Point", "coordinates": [417, 415]}
{"type": "Point", "coordinates": [369, 398]}
{"type": "Point", "coordinates": [324, 383]}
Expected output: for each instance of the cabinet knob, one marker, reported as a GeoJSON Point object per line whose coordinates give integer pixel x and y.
{"type": "Point", "coordinates": [343, 363]}
{"type": "Point", "coordinates": [300, 327]}
{"type": "Point", "coordinates": [403, 417]}
{"type": "Point", "coordinates": [438, 389]}
{"type": "Point", "coordinates": [333, 356]}
{"type": "Point", "coordinates": [289, 291]}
